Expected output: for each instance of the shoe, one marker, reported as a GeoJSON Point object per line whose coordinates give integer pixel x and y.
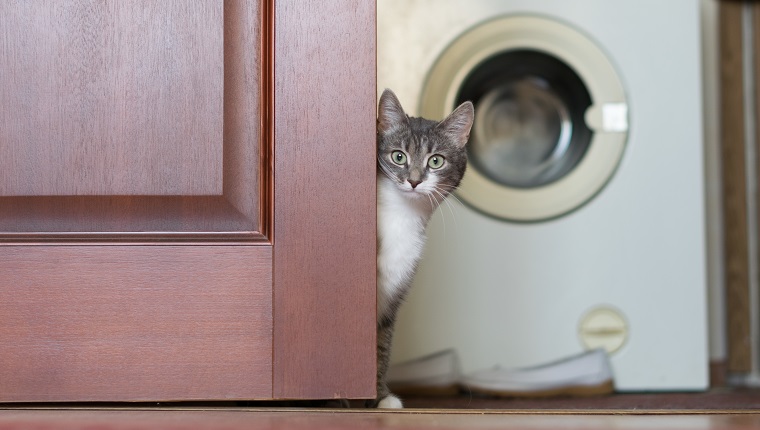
{"type": "Point", "coordinates": [436, 374]}
{"type": "Point", "coordinates": [586, 374]}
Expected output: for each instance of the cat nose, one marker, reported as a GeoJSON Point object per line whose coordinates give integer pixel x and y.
{"type": "Point", "coordinates": [413, 183]}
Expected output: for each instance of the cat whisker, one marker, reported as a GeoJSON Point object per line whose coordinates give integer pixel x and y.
{"type": "Point", "coordinates": [386, 170]}
{"type": "Point", "coordinates": [448, 204]}
{"type": "Point", "coordinates": [432, 202]}
{"type": "Point", "coordinates": [435, 204]}
{"type": "Point", "coordinates": [440, 214]}
{"type": "Point", "coordinates": [446, 185]}
{"type": "Point", "coordinates": [451, 194]}
{"type": "Point", "coordinates": [443, 219]}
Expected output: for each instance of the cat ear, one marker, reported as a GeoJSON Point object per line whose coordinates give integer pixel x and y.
{"type": "Point", "coordinates": [456, 126]}
{"type": "Point", "coordinates": [390, 114]}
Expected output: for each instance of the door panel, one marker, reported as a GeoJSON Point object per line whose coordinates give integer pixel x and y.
{"type": "Point", "coordinates": [130, 118]}
{"type": "Point", "coordinates": [105, 98]}
{"type": "Point", "coordinates": [110, 323]}
{"type": "Point", "coordinates": [135, 262]}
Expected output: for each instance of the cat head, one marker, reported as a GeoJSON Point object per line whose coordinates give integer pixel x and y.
{"type": "Point", "coordinates": [422, 157]}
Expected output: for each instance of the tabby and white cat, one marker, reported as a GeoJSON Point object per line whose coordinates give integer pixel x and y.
{"type": "Point", "coordinates": [420, 162]}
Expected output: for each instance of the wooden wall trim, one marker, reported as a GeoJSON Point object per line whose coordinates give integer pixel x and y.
{"type": "Point", "coordinates": [325, 235]}
{"type": "Point", "coordinates": [734, 187]}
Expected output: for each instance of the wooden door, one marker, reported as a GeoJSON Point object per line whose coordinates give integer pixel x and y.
{"type": "Point", "coordinates": [186, 200]}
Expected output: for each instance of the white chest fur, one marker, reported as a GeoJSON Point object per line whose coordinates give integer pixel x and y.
{"type": "Point", "coordinates": [401, 220]}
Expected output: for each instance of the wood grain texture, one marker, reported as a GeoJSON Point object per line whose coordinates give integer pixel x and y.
{"type": "Point", "coordinates": [244, 145]}
{"type": "Point", "coordinates": [111, 97]}
{"type": "Point", "coordinates": [325, 240]}
{"type": "Point", "coordinates": [734, 188]}
{"type": "Point", "coordinates": [165, 71]}
{"type": "Point", "coordinates": [120, 323]}
{"type": "Point", "coordinates": [268, 419]}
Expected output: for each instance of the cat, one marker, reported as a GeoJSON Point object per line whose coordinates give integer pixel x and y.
{"type": "Point", "coordinates": [420, 162]}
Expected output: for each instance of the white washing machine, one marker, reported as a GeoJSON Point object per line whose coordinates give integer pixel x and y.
{"type": "Point", "coordinates": [580, 220]}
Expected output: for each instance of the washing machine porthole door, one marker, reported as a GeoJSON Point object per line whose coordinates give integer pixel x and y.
{"type": "Point", "coordinates": [522, 134]}
{"type": "Point", "coordinates": [530, 129]}
{"type": "Point", "coordinates": [551, 116]}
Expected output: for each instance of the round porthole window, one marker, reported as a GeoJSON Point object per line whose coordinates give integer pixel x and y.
{"type": "Point", "coordinates": [551, 116]}
{"type": "Point", "coordinates": [530, 130]}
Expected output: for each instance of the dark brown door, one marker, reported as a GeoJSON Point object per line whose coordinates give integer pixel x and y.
{"type": "Point", "coordinates": [186, 200]}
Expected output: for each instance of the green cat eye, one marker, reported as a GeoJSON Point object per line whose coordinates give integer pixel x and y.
{"type": "Point", "coordinates": [398, 157]}
{"type": "Point", "coordinates": [436, 161]}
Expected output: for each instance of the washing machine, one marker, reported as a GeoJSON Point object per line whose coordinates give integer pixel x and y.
{"type": "Point", "coordinates": [580, 221]}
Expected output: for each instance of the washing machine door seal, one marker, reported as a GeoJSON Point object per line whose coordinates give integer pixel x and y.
{"type": "Point", "coordinates": [607, 116]}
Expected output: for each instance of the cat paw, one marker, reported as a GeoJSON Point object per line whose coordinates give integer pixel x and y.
{"type": "Point", "coordinates": [390, 402]}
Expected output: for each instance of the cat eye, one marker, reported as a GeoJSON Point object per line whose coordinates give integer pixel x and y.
{"type": "Point", "coordinates": [398, 157]}
{"type": "Point", "coordinates": [436, 161]}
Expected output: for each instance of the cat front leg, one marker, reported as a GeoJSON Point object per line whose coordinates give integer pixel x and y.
{"type": "Point", "coordinates": [385, 399]}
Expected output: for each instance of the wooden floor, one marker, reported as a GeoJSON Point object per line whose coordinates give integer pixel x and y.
{"type": "Point", "coordinates": [715, 409]}
{"type": "Point", "coordinates": [324, 419]}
